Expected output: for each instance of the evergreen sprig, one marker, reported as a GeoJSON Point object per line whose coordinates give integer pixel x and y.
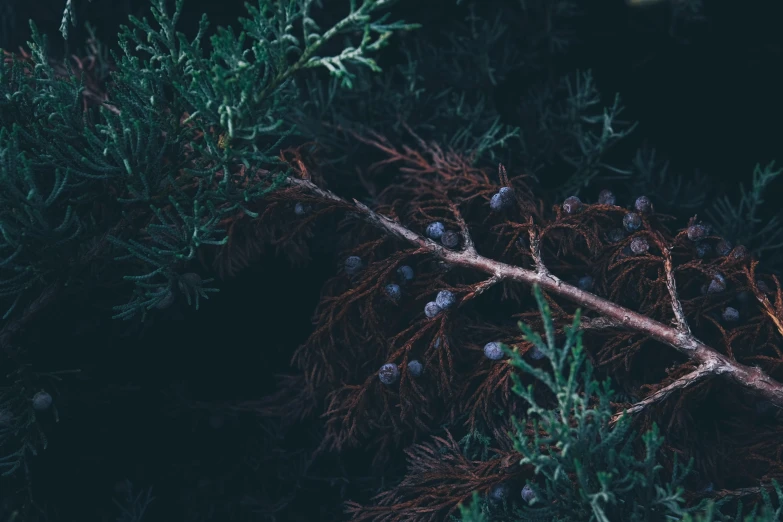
{"type": "Point", "coordinates": [152, 171]}
{"type": "Point", "coordinates": [741, 220]}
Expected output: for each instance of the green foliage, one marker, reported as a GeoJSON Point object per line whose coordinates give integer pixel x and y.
{"type": "Point", "coordinates": [585, 467]}
{"type": "Point", "coordinates": [741, 221]}
{"type": "Point", "coordinates": [611, 483]}
{"type": "Point", "coordinates": [133, 179]}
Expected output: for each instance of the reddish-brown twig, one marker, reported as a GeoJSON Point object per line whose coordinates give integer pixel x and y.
{"type": "Point", "coordinates": [680, 338]}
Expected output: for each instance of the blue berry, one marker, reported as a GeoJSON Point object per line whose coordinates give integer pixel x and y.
{"type": "Point", "coordinates": [606, 197]}
{"type": "Point", "coordinates": [393, 292]}
{"type": "Point", "coordinates": [696, 232]}
{"type": "Point", "coordinates": [300, 209]}
{"type": "Point", "coordinates": [405, 273]}
{"type": "Point", "coordinates": [643, 204]}
{"type": "Point", "coordinates": [717, 285]}
{"type": "Point", "coordinates": [528, 495]}
{"type": "Point", "coordinates": [586, 283]}
{"type": "Point", "coordinates": [450, 239]}
{"type": "Point", "coordinates": [723, 247]}
{"type": "Point", "coordinates": [730, 314]}
{"type": "Point", "coordinates": [431, 309]}
{"type": "Point", "coordinates": [435, 230]}
{"type": "Point", "coordinates": [703, 250]}
{"type": "Point", "coordinates": [388, 373]}
{"type": "Point", "coordinates": [502, 200]}
{"type": "Point", "coordinates": [572, 205]}
{"type": "Point", "coordinates": [762, 286]}
{"type": "Point", "coordinates": [639, 245]}
{"type": "Point", "coordinates": [493, 351]}
{"type": "Point", "coordinates": [632, 221]}
{"type": "Point", "coordinates": [739, 253]}
{"type": "Point", "coordinates": [498, 493]}
{"type": "Point", "coordinates": [437, 342]}
{"type": "Point", "coordinates": [497, 203]}
{"type": "Point", "coordinates": [445, 299]}
{"type": "Point", "coordinates": [415, 368]}
{"type": "Point", "coordinates": [616, 235]}
{"type": "Point", "coordinates": [42, 401]}
{"type": "Point", "coordinates": [353, 264]}
{"type": "Point", "coordinates": [536, 354]}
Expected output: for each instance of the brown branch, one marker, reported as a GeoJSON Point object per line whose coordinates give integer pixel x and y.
{"type": "Point", "coordinates": [701, 354]}
{"type": "Point", "coordinates": [697, 375]}
{"type": "Point", "coordinates": [671, 286]}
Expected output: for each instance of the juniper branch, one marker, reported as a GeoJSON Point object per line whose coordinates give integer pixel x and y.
{"type": "Point", "coordinates": [701, 354]}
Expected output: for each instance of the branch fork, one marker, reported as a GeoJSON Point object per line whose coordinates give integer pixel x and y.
{"type": "Point", "coordinates": [709, 362]}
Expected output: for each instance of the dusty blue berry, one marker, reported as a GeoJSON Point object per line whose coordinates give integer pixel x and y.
{"type": "Point", "coordinates": [739, 253]}
{"type": "Point", "coordinates": [723, 247]}
{"type": "Point", "coordinates": [696, 232]}
{"type": "Point", "coordinates": [415, 368]}
{"type": "Point", "coordinates": [437, 343]}
{"type": "Point", "coordinates": [493, 351]}
{"type": "Point", "coordinates": [643, 204]}
{"type": "Point", "coordinates": [606, 197]}
{"type": "Point", "coordinates": [498, 493]}
{"type": "Point", "coordinates": [353, 264]}
{"type": "Point", "coordinates": [762, 286]}
{"type": "Point", "coordinates": [717, 285]}
{"type": "Point", "coordinates": [498, 203]}
{"type": "Point", "coordinates": [632, 221]}
{"type": "Point", "coordinates": [730, 314]}
{"type": "Point", "coordinates": [639, 245]}
{"type": "Point", "coordinates": [301, 209]}
{"type": "Point", "coordinates": [450, 239]}
{"type": "Point", "coordinates": [586, 283]}
{"type": "Point", "coordinates": [405, 273]}
{"type": "Point", "coordinates": [616, 235]}
{"type": "Point", "coordinates": [389, 373]}
{"type": "Point", "coordinates": [506, 192]}
{"type": "Point", "coordinates": [435, 230]}
{"type": "Point", "coordinates": [528, 495]}
{"type": "Point", "coordinates": [393, 292]}
{"type": "Point", "coordinates": [42, 401]}
{"type": "Point", "coordinates": [431, 309]}
{"type": "Point", "coordinates": [572, 205]}
{"type": "Point", "coordinates": [703, 250]}
{"type": "Point", "coordinates": [445, 299]}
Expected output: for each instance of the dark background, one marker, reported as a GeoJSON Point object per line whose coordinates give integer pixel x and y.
{"type": "Point", "coordinates": [709, 98]}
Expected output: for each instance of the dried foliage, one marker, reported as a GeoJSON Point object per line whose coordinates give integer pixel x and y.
{"type": "Point", "coordinates": [358, 328]}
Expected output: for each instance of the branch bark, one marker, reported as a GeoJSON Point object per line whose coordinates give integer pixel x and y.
{"type": "Point", "coordinates": [678, 338]}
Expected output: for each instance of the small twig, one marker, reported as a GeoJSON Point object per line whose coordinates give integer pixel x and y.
{"type": "Point", "coordinates": [671, 286]}
{"type": "Point", "coordinates": [481, 287]}
{"type": "Point", "coordinates": [683, 382]}
{"type": "Point", "coordinates": [775, 313]}
{"type": "Point", "coordinates": [599, 323]}
{"type": "Point", "coordinates": [704, 356]}
{"type": "Point", "coordinates": [467, 240]}
{"type": "Point", "coordinates": [535, 251]}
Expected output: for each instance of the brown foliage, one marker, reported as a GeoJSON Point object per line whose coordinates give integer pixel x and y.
{"type": "Point", "coordinates": [357, 328]}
